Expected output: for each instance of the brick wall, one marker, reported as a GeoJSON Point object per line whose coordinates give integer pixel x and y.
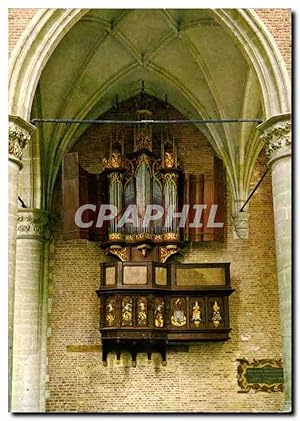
{"type": "Point", "coordinates": [203, 379]}
{"type": "Point", "coordinates": [279, 23]}
{"type": "Point", "coordinates": [18, 20]}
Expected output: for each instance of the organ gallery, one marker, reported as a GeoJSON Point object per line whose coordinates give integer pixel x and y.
{"type": "Point", "coordinates": [148, 299]}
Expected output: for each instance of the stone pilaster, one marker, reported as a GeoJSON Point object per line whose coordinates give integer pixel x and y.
{"type": "Point", "coordinates": [19, 135]}
{"type": "Point", "coordinates": [29, 332]}
{"type": "Point", "coordinates": [276, 133]}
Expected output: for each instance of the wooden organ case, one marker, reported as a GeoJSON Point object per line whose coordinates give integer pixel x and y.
{"type": "Point", "coordinates": [147, 299]}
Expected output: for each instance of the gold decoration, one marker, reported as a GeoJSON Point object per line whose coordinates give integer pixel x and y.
{"type": "Point", "coordinates": [178, 317]}
{"type": "Point", "coordinates": [115, 177]}
{"type": "Point", "coordinates": [165, 252]}
{"type": "Point", "coordinates": [196, 316]}
{"type": "Point", "coordinates": [114, 162]}
{"type": "Point", "coordinates": [171, 236]}
{"type": "Point", "coordinates": [115, 236]}
{"type": "Point", "coordinates": [170, 177]}
{"type": "Point", "coordinates": [216, 317]}
{"type": "Point", "coordinates": [129, 238]}
{"type": "Point", "coordinates": [268, 364]}
{"type": "Point", "coordinates": [159, 306]}
{"type": "Point", "coordinates": [143, 236]}
{"type": "Point", "coordinates": [127, 311]}
{"type": "Point", "coordinates": [158, 238]}
{"type": "Point", "coordinates": [143, 139]}
{"type": "Point", "coordinates": [142, 311]}
{"type": "Point", "coordinates": [120, 252]}
{"type": "Point", "coordinates": [110, 312]}
{"type": "Point", "coordinates": [169, 160]}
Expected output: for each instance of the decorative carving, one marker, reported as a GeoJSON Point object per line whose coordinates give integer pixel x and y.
{"type": "Point", "coordinates": [120, 252]}
{"type": "Point", "coordinates": [33, 222]}
{"type": "Point", "coordinates": [171, 236]}
{"type": "Point", "coordinates": [127, 311]}
{"type": "Point", "coordinates": [110, 315]}
{"type": "Point", "coordinates": [158, 238]}
{"type": "Point", "coordinates": [130, 238]}
{"type": "Point", "coordinates": [142, 311]}
{"type": "Point", "coordinates": [143, 236]}
{"type": "Point", "coordinates": [115, 236]}
{"type": "Point", "coordinates": [18, 139]}
{"type": "Point", "coordinates": [114, 162]}
{"type": "Point", "coordinates": [241, 224]}
{"type": "Point", "coordinates": [277, 138]}
{"type": "Point", "coordinates": [216, 317]}
{"type": "Point", "coordinates": [166, 251]}
{"type": "Point", "coordinates": [159, 308]}
{"type": "Point", "coordinates": [169, 160]}
{"type": "Point", "coordinates": [143, 140]}
{"type": "Point", "coordinates": [250, 375]}
{"type": "Point", "coordinates": [178, 317]}
{"type": "Point", "coordinates": [143, 248]}
{"type": "Point", "coordinates": [115, 177]}
{"type": "Point", "coordinates": [196, 315]}
{"type": "Point", "coordinates": [170, 177]}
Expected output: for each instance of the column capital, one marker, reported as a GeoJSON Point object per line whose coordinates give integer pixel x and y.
{"type": "Point", "coordinates": [33, 223]}
{"type": "Point", "coordinates": [276, 134]}
{"type": "Point", "coordinates": [19, 134]}
{"type": "Point", "coordinates": [240, 222]}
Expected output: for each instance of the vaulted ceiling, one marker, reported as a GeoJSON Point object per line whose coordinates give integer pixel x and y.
{"type": "Point", "coordinates": [185, 54]}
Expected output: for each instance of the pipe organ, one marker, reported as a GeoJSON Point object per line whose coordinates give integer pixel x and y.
{"type": "Point", "coordinates": [147, 298]}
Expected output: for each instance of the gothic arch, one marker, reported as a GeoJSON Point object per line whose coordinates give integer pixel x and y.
{"type": "Point", "coordinates": [48, 28]}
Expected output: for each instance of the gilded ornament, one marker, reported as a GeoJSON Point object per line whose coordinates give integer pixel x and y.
{"type": "Point", "coordinates": [171, 236]}
{"type": "Point", "coordinates": [115, 236]}
{"type": "Point", "coordinates": [114, 162]}
{"type": "Point", "coordinates": [178, 317]}
{"type": "Point", "coordinates": [165, 253]}
{"type": "Point", "coordinates": [142, 311]}
{"type": "Point", "coordinates": [143, 140]}
{"type": "Point", "coordinates": [216, 317]}
{"type": "Point", "coordinates": [110, 312]}
{"type": "Point", "coordinates": [121, 253]}
{"type": "Point", "coordinates": [129, 238]}
{"type": "Point", "coordinates": [170, 177]}
{"type": "Point", "coordinates": [158, 238]}
{"type": "Point", "coordinates": [127, 311]}
{"type": "Point", "coordinates": [169, 161]}
{"type": "Point", "coordinates": [159, 307]}
{"type": "Point", "coordinates": [196, 316]}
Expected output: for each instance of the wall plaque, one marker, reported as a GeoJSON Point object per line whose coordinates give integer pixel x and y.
{"type": "Point", "coordinates": [261, 375]}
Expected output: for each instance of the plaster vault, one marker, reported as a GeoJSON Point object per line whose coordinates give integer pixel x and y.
{"type": "Point", "coordinates": [71, 63]}
{"type": "Point", "coordinates": [211, 63]}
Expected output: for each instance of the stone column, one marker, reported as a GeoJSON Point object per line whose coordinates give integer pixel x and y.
{"type": "Point", "coordinates": [277, 136]}
{"type": "Point", "coordinates": [29, 332]}
{"type": "Point", "coordinates": [19, 136]}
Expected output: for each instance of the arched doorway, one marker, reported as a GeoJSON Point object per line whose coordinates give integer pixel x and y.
{"type": "Point", "coordinates": [178, 52]}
